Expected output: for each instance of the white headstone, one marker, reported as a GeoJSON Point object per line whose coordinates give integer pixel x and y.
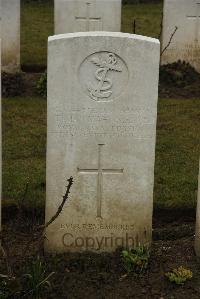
{"type": "Point", "coordinates": [185, 44]}
{"type": "Point", "coordinates": [197, 234]}
{"type": "Point", "coordinates": [102, 109]}
{"type": "Point", "coordinates": [10, 35]}
{"type": "Point", "coordinates": [84, 15]}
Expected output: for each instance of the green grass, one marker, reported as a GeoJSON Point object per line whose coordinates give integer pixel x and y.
{"type": "Point", "coordinates": [24, 142]}
{"type": "Point", "coordinates": [37, 24]}
{"type": "Point", "coordinates": [147, 19]}
{"type": "Point", "coordinates": [177, 151]}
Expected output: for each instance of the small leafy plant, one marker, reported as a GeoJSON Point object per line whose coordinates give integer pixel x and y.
{"type": "Point", "coordinates": [136, 260]}
{"type": "Point", "coordinates": [179, 276]}
{"type": "Point", "coordinates": [37, 281]}
{"type": "Point", "coordinates": [42, 85]}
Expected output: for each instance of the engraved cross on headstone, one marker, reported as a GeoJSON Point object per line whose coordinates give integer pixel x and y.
{"type": "Point", "coordinates": [87, 18]}
{"type": "Point", "coordinates": [196, 17]}
{"type": "Point", "coordinates": [100, 171]}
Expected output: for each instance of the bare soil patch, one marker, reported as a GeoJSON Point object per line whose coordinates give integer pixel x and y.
{"type": "Point", "coordinates": [177, 80]}
{"type": "Point", "coordinates": [90, 275]}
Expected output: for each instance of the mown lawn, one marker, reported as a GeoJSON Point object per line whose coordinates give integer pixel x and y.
{"type": "Point", "coordinates": [37, 23]}
{"type": "Point", "coordinates": [24, 149]}
{"type": "Point", "coordinates": [147, 18]}
{"type": "Point", "coordinates": [177, 151]}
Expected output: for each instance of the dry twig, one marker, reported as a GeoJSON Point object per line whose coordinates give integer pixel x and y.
{"type": "Point", "coordinates": [170, 40]}
{"type": "Point", "coordinates": [39, 232]}
{"type": "Point", "coordinates": [161, 27]}
{"type": "Point", "coordinates": [134, 26]}
{"type": "Point", "coordinates": [60, 208]}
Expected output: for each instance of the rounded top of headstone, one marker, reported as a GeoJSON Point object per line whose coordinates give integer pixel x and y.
{"type": "Point", "coordinates": [103, 34]}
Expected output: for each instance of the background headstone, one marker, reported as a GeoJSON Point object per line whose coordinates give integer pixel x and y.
{"type": "Point", "coordinates": [84, 15]}
{"type": "Point", "coordinates": [10, 35]}
{"type": "Point", "coordinates": [197, 234]}
{"type": "Point", "coordinates": [102, 109]}
{"type": "Point", "coordinates": [185, 44]}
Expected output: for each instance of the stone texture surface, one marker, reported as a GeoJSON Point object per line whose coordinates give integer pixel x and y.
{"type": "Point", "coordinates": [102, 109]}
{"type": "Point", "coordinates": [83, 15]}
{"type": "Point", "coordinates": [10, 35]}
{"type": "Point", "coordinates": [185, 44]}
{"type": "Point", "coordinates": [197, 233]}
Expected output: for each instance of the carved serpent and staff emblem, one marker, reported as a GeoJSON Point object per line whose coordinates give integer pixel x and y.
{"type": "Point", "coordinates": [103, 89]}
{"type": "Point", "coordinates": [103, 75]}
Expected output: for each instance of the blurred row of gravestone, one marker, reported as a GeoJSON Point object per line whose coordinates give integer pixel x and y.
{"type": "Point", "coordinates": [102, 111]}
{"type": "Point", "coordinates": [105, 15]}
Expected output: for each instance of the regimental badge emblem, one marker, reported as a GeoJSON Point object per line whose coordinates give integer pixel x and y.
{"type": "Point", "coordinates": [104, 75]}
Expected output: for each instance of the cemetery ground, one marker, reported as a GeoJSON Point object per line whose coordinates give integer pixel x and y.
{"type": "Point", "coordinates": [176, 170]}
{"type": "Point", "coordinates": [103, 276]}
